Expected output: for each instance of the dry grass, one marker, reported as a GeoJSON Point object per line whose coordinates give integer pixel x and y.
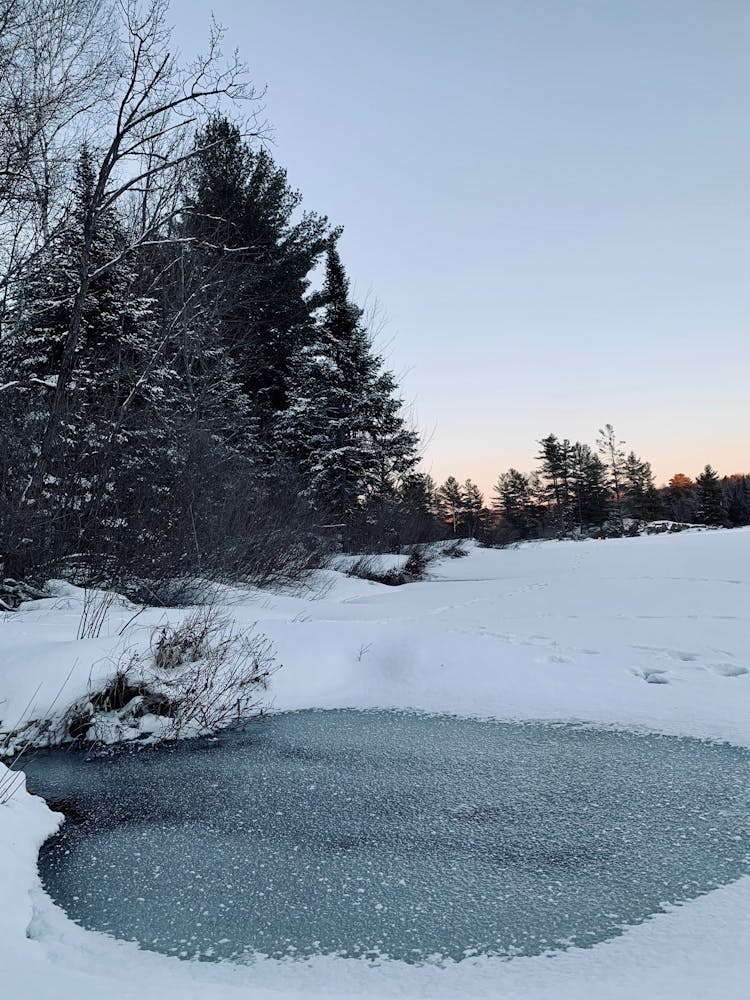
{"type": "Point", "coordinates": [367, 567]}
{"type": "Point", "coordinates": [198, 676]}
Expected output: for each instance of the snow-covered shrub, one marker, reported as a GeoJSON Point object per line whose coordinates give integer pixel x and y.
{"type": "Point", "coordinates": [221, 679]}
{"type": "Point", "coordinates": [194, 678]}
{"type": "Point", "coordinates": [454, 550]}
{"type": "Point", "coordinates": [120, 691]}
{"type": "Point", "coordinates": [416, 565]}
{"type": "Point", "coordinates": [169, 591]}
{"type": "Point", "coordinates": [184, 643]}
{"type": "Point", "coordinates": [370, 567]}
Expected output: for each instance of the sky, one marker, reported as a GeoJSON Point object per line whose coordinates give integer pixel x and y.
{"type": "Point", "coordinates": [548, 200]}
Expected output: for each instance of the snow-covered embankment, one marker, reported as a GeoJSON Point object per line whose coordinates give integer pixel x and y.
{"type": "Point", "coordinates": [650, 633]}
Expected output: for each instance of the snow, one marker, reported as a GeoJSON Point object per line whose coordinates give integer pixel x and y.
{"type": "Point", "coordinates": [651, 633]}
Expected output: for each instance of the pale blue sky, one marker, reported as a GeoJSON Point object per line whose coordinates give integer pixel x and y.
{"type": "Point", "coordinates": [550, 199]}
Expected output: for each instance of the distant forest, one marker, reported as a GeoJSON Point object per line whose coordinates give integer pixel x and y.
{"type": "Point", "coordinates": [578, 490]}
{"type": "Point", "coordinates": [187, 386]}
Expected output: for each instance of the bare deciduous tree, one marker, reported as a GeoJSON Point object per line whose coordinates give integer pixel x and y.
{"type": "Point", "coordinates": [58, 66]}
{"type": "Point", "coordinates": [144, 143]}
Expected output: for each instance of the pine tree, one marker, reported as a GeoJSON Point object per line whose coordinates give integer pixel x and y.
{"type": "Point", "coordinates": [710, 500]}
{"type": "Point", "coordinates": [418, 494]}
{"type": "Point", "coordinates": [450, 499]}
{"type": "Point", "coordinates": [393, 443]}
{"type": "Point", "coordinates": [418, 507]}
{"type": "Point", "coordinates": [344, 423]}
{"type": "Point", "coordinates": [640, 489]}
{"type": "Point", "coordinates": [556, 458]}
{"type": "Point", "coordinates": [514, 498]}
{"type": "Point", "coordinates": [614, 460]}
{"type": "Point", "coordinates": [258, 254]}
{"type": "Point", "coordinates": [736, 491]}
{"type": "Point", "coordinates": [204, 292]}
{"type": "Point", "coordinates": [588, 485]}
{"type": "Point", "coordinates": [472, 506]}
{"type": "Point", "coordinates": [330, 407]}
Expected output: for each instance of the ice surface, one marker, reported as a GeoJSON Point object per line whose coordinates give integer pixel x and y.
{"type": "Point", "coordinates": [383, 833]}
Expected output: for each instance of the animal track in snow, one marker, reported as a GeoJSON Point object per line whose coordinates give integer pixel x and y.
{"type": "Point", "coordinates": [671, 654]}
{"type": "Point", "coordinates": [652, 676]}
{"type": "Point", "coordinates": [729, 669]}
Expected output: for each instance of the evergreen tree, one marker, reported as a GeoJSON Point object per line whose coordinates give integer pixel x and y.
{"type": "Point", "coordinates": [450, 499]}
{"type": "Point", "coordinates": [259, 252]}
{"type": "Point", "coordinates": [589, 487]}
{"type": "Point", "coordinates": [418, 494]}
{"type": "Point", "coordinates": [614, 460]}
{"type": "Point", "coordinates": [393, 443]}
{"type": "Point", "coordinates": [418, 508]}
{"type": "Point", "coordinates": [556, 458]}
{"type": "Point", "coordinates": [344, 423]}
{"type": "Point", "coordinates": [640, 489]}
{"type": "Point", "coordinates": [116, 452]}
{"type": "Point", "coordinates": [515, 501]}
{"type": "Point", "coordinates": [710, 500]}
{"type": "Point", "coordinates": [736, 491]}
{"type": "Point", "coordinates": [472, 505]}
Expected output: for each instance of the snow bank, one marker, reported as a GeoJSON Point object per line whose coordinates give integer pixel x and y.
{"type": "Point", "coordinates": [25, 823]}
{"type": "Point", "coordinates": [644, 633]}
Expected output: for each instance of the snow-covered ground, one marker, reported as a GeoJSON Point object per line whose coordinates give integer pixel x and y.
{"type": "Point", "coordinates": [647, 633]}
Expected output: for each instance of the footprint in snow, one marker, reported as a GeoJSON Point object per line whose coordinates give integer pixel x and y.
{"type": "Point", "coordinates": [729, 669]}
{"type": "Point", "coordinates": [651, 676]}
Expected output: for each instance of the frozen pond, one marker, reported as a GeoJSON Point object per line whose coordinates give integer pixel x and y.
{"type": "Point", "coordinates": [379, 833]}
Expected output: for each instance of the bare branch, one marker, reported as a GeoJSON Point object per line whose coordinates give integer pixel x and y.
{"type": "Point", "coordinates": [155, 105]}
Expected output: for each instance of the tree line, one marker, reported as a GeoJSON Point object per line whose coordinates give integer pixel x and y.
{"type": "Point", "coordinates": [578, 490]}
{"type": "Point", "coordinates": [187, 385]}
